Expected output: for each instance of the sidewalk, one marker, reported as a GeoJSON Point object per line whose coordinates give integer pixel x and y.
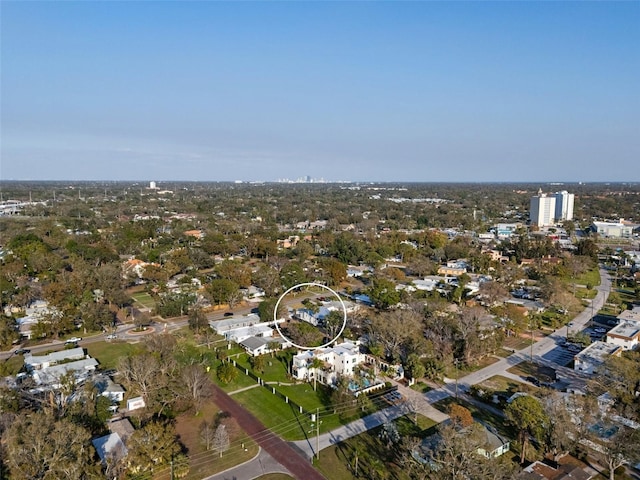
{"type": "Point", "coordinates": [261, 464]}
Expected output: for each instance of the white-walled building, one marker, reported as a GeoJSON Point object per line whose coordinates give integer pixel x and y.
{"type": "Point", "coordinates": [339, 360]}
{"type": "Point", "coordinates": [39, 362]}
{"type": "Point", "coordinates": [542, 210]}
{"type": "Point", "coordinates": [592, 357]}
{"type": "Point", "coordinates": [564, 206]}
{"type": "Point", "coordinates": [625, 335]}
{"type": "Point", "coordinates": [621, 229]}
{"type": "Point", "coordinates": [261, 330]}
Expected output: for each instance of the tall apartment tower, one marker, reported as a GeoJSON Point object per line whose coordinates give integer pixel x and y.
{"type": "Point", "coordinates": [564, 205]}
{"type": "Point", "coordinates": [542, 210]}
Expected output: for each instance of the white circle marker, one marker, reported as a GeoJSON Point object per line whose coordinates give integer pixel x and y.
{"type": "Point", "coordinates": [310, 284]}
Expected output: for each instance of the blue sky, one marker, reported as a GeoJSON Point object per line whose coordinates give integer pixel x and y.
{"type": "Point", "coordinates": [376, 91]}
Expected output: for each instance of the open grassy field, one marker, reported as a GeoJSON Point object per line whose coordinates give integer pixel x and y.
{"type": "Point", "coordinates": [108, 353]}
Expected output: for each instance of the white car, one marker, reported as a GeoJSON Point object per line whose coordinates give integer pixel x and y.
{"type": "Point", "coordinates": [73, 340]}
{"type": "Point", "coordinates": [600, 330]}
{"type": "Point", "coordinates": [111, 336]}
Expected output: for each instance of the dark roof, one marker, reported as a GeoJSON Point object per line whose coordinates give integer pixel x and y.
{"type": "Point", "coordinates": [255, 342]}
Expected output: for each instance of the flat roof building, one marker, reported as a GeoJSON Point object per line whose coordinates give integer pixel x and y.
{"type": "Point", "coordinates": [592, 357]}
{"type": "Point", "coordinates": [626, 334]}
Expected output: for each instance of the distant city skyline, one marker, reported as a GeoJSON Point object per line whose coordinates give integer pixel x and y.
{"type": "Point", "coordinates": [341, 91]}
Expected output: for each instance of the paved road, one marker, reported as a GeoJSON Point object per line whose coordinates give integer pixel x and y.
{"type": "Point", "coordinates": [261, 464]}
{"type": "Point", "coordinates": [282, 452]}
{"type": "Point", "coordinates": [539, 350]}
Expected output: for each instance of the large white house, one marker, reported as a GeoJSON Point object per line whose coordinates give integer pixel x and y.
{"type": "Point", "coordinates": [339, 360]}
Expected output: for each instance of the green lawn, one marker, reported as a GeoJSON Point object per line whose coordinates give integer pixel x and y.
{"type": "Point", "coordinates": [108, 353]}
{"type": "Point", "coordinates": [144, 299]}
{"type": "Point", "coordinates": [592, 277]}
{"type": "Point", "coordinates": [242, 381]}
{"type": "Point", "coordinates": [504, 352]}
{"type": "Point", "coordinates": [274, 413]}
{"type": "Point", "coordinates": [12, 365]}
{"type": "Point", "coordinates": [420, 387]}
{"type": "Point", "coordinates": [501, 385]}
{"type": "Point", "coordinates": [275, 368]}
{"type": "Point", "coordinates": [304, 395]}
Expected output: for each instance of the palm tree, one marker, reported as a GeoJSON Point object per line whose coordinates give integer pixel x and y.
{"type": "Point", "coordinates": [315, 364]}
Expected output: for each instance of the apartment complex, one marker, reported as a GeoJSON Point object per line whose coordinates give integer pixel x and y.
{"type": "Point", "coordinates": [547, 210]}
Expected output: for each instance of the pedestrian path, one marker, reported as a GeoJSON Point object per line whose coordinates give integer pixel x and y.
{"type": "Point", "coordinates": [417, 402]}
{"type": "Point", "coordinates": [244, 389]}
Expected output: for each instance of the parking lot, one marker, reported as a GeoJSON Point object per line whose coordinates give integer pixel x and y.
{"type": "Point", "coordinates": [560, 355]}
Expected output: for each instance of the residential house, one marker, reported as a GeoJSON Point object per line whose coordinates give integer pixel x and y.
{"type": "Point", "coordinates": [109, 448]}
{"type": "Point", "coordinates": [452, 269]}
{"type": "Point", "coordinates": [338, 360]}
{"type": "Point", "coordinates": [258, 330]}
{"type": "Point", "coordinates": [493, 446]}
{"type": "Point", "coordinates": [39, 362]}
{"type": "Point", "coordinates": [199, 234]}
{"type": "Point", "coordinates": [47, 371]}
{"type": "Point", "coordinates": [289, 242]}
{"type": "Point", "coordinates": [260, 345]}
{"type": "Point", "coordinates": [221, 326]}
{"type": "Point", "coordinates": [38, 311]}
{"type": "Point", "coordinates": [108, 388]}
{"type": "Point", "coordinates": [546, 471]}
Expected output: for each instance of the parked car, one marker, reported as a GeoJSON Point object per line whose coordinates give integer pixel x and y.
{"type": "Point", "coordinates": [533, 380]}
{"type": "Point", "coordinates": [73, 340]}
{"type": "Point", "coordinates": [600, 330]}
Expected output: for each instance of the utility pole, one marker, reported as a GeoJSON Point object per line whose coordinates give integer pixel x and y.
{"type": "Point", "coordinates": [531, 348]}
{"type": "Point", "coordinates": [318, 433]}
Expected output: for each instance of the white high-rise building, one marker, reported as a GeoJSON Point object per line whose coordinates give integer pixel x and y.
{"type": "Point", "coordinates": [542, 210]}
{"type": "Point", "coordinates": [564, 206]}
